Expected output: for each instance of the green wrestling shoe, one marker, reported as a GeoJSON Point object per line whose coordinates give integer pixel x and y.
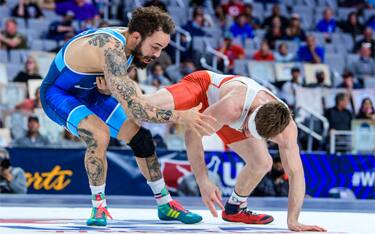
{"type": "Point", "coordinates": [174, 211]}
{"type": "Point", "coordinates": [98, 214]}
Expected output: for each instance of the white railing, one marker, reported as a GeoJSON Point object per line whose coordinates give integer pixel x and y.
{"type": "Point", "coordinates": [350, 141]}
{"type": "Point", "coordinates": [177, 43]}
{"type": "Point", "coordinates": [309, 130]}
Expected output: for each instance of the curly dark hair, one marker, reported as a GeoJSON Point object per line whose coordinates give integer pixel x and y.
{"type": "Point", "coordinates": [147, 20]}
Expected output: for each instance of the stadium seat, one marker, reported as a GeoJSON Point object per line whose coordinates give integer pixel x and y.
{"type": "Point", "coordinates": [16, 122]}
{"type": "Point", "coordinates": [12, 94]}
{"type": "Point", "coordinates": [342, 13]}
{"type": "Point", "coordinates": [5, 137]}
{"type": "Point", "coordinates": [351, 58]}
{"type": "Point", "coordinates": [3, 74]}
{"type": "Point", "coordinates": [3, 56]}
{"type": "Point", "coordinates": [370, 83]}
{"type": "Point", "coordinates": [240, 67]}
{"type": "Point", "coordinates": [178, 14]}
{"type": "Point", "coordinates": [49, 44]}
{"type": "Point", "coordinates": [37, 44]}
{"type": "Point", "coordinates": [13, 70]}
{"type": "Point", "coordinates": [335, 62]}
{"type": "Point", "coordinates": [306, 14]}
{"type": "Point", "coordinates": [4, 11]}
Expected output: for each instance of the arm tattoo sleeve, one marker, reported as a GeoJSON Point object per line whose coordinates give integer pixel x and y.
{"type": "Point", "coordinates": [122, 87]}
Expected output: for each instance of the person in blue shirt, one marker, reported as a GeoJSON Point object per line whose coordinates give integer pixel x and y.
{"type": "Point", "coordinates": [241, 28]}
{"type": "Point", "coordinates": [310, 52]}
{"type": "Point", "coordinates": [328, 23]}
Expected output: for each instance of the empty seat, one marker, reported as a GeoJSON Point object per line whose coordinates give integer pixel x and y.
{"type": "Point", "coordinates": [240, 67]}
{"type": "Point", "coordinates": [13, 70]}
{"type": "Point", "coordinates": [4, 56]}
{"type": "Point", "coordinates": [342, 13]}
{"type": "Point", "coordinates": [37, 45]}
{"type": "Point", "coordinates": [12, 94]}
{"type": "Point", "coordinates": [3, 74]}
{"type": "Point", "coordinates": [335, 62]}
{"type": "Point", "coordinates": [49, 45]}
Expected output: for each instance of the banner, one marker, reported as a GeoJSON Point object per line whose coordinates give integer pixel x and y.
{"type": "Point", "coordinates": [62, 171]}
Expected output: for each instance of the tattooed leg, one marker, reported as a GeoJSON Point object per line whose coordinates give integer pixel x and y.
{"type": "Point", "coordinates": [95, 158]}
{"type": "Point", "coordinates": [150, 168]}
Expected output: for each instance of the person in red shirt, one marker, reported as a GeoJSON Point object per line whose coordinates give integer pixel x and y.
{"type": "Point", "coordinates": [264, 54]}
{"type": "Point", "coordinates": [232, 51]}
{"type": "Point", "coordinates": [234, 8]}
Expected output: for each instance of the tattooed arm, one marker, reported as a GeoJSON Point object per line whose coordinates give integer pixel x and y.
{"type": "Point", "coordinates": [125, 90]}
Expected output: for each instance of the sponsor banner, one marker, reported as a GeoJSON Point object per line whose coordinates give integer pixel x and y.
{"type": "Point", "coordinates": [62, 171]}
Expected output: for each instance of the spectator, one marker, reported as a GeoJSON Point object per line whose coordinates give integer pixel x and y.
{"type": "Point", "coordinates": [276, 14]}
{"type": "Point", "coordinates": [186, 67]}
{"type": "Point", "coordinates": [288, 90]}
{"type": "Point", "coordinates": [220, 16]}
{"type": "Point", "coordinates": [275, 33]}
{"type": "Point", "coordinates": [208, 21]}
{"type": "Point", "coordinates": [234, 8]}
{"type": "Point", "coordinates": [32, 136]}
{"type": "Point", "coordinates": [348, 81]}
{"type": "Point", "coordinates": [367, 38]}
{"type": "Point", "coordinates": [10, 38]}
{"type": "Point", "coordinates": [366, 111]}
{"type": "Point", "coordinates": [195, 27]}
{"type": "Point", "coordinates": [67, 37]}
{"type": "Point", "coordinates": [264, 53]}
{"type": "Point", "coordinates": [164, 60]}
{"type": "Point", "coordinates": [58, 29]}
{"type": "Point", "coordinates": [232, 51]}
{"type": "Point", "coordinates": [82, 10]}
{"type": "Point", "coordinates": [352, 25]}
{"type": "Point", "coordinates": [159, 142]}
{"type": "Point", "coordinates": [339, 117]}
{"type": "Point", "coordinates": [31, 71]}
{"type": "Point", "coordinates": [328, 23]}
{"type": "Point", "coordinates": [282, 54]}
{"type": "Point", "coordinates": [310, 52]}
{"type": "Point", "coordinates": [12, 179]}
{"type": "Point", "coordinates": [103, 24]}
{"type": "Point", "coordinates": [275, 183]}
{"type": "Point", "coordinates": [29, 105]}
{"type": "Point", "coordinates": [294, 31]}
{"type": "Point", "coordinates": [27, 9]}
{"type": "Point", "coordinates": [364, 67]}
{"type": "Point", "coordinates": [156, 3]}
{"type": "Point", "coordinates": [320, 81]}
{"type": "Point", "coordinates": [157, 77]}
{"type": "Point", "coordinates": [69, 140]}
{"type": "Point", "coordinates": [241, 28]}
{"type": "Point", "coordinates": [252, 20]}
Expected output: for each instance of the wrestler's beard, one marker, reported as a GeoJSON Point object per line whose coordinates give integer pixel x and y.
{"type": "Point", "coordinates": [139, 57]}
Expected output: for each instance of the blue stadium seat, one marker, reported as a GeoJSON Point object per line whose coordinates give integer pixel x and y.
{"type": "Point", "coordinates": [241, 67]}
{"type": "Point", "coordinates": [13, 70]}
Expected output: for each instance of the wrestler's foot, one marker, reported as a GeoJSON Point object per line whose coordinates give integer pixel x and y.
{"type": "Point", "coordinates": [174, 211]}
{"type": "Point", "coordinates": [98, 214]}
{"type": "Point", "coordinates": [243, 215]}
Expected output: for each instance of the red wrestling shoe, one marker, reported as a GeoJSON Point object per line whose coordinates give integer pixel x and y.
{"type": "Point", "coordinates": [246, 216]}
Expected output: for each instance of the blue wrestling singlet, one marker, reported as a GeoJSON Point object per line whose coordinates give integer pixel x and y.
{"type": "Point", "coordinates": [69, 96]}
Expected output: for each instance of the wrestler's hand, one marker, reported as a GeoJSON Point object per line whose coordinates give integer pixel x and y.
{"type": "Point", "coordinates": [203, 124]}
{"type": "Point", "coordinates": [298, 227]}
{"type": "Point", "coordinates": [102, 86]}
{"type": "Point", "coordinates": [210, 195]}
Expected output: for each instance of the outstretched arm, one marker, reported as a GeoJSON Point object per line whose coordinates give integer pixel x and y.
{"type": "Point", "coordinates": [290, 157]}
{"type": "Point", "coordinates": [125, 90]}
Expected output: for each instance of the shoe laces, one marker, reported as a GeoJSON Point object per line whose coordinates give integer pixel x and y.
{"type": "Point", "coordinates": [177, 206]}
{"type": "Point", "coordinates": [248, 212]}
{"type": "Point", "coordinates": [101, 210]}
